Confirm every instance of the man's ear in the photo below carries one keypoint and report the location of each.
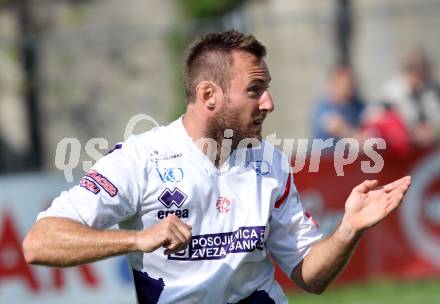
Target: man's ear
(205, 92)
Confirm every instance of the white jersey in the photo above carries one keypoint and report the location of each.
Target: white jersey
(241, 214)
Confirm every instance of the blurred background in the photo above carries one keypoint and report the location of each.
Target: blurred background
(340, 68)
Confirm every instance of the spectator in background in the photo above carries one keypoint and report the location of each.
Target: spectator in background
(415, 96)
(338, 112)
(383, 121)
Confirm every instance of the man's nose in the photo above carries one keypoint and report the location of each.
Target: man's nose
(266, 103)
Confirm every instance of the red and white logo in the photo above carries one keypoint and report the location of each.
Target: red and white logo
(420, 213)
(223, 204)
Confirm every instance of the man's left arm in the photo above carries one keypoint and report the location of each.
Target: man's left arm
(366, 206)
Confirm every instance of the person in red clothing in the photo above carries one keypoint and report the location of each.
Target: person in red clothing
(385, 122)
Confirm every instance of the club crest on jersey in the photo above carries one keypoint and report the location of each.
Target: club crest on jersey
(261, 167)
(170, 175)
(172, 197)
(223, 204)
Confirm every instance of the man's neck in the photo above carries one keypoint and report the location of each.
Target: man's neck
(196, 126)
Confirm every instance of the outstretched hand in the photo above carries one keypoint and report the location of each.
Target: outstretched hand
(368, 204)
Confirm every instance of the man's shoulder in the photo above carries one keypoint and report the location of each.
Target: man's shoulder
(272, 157)
(156, 136)
(268, 146)
(141, 146)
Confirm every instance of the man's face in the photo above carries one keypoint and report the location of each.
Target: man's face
(342, 86)
(248, 101)
(415, 79)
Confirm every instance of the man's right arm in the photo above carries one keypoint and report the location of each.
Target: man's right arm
(57, 241)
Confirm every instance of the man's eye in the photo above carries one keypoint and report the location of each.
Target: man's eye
(254, 91)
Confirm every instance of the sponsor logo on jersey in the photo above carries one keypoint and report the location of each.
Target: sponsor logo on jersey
(155, 157)
(223, 204)
(218, 245)
(173, 156)
(172, 197)
(170, 175)
(184, 213)
(261, 167)
(89, 185)
(175, 197)
(103, 182)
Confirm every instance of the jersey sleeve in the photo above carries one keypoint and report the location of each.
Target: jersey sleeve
(292, 231)
(107, 194)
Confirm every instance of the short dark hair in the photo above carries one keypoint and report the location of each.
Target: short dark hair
(210, 58)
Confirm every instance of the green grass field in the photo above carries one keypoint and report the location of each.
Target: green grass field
(376, 292)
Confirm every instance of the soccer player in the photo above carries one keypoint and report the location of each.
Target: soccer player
(199, 204)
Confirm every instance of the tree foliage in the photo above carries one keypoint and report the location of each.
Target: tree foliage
(208, 8)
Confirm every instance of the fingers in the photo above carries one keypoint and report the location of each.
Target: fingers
(178, 235)
(395, 196)
(395, 184)
(366, 186)
(171, 233)
(176, 239)
(370, 204)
